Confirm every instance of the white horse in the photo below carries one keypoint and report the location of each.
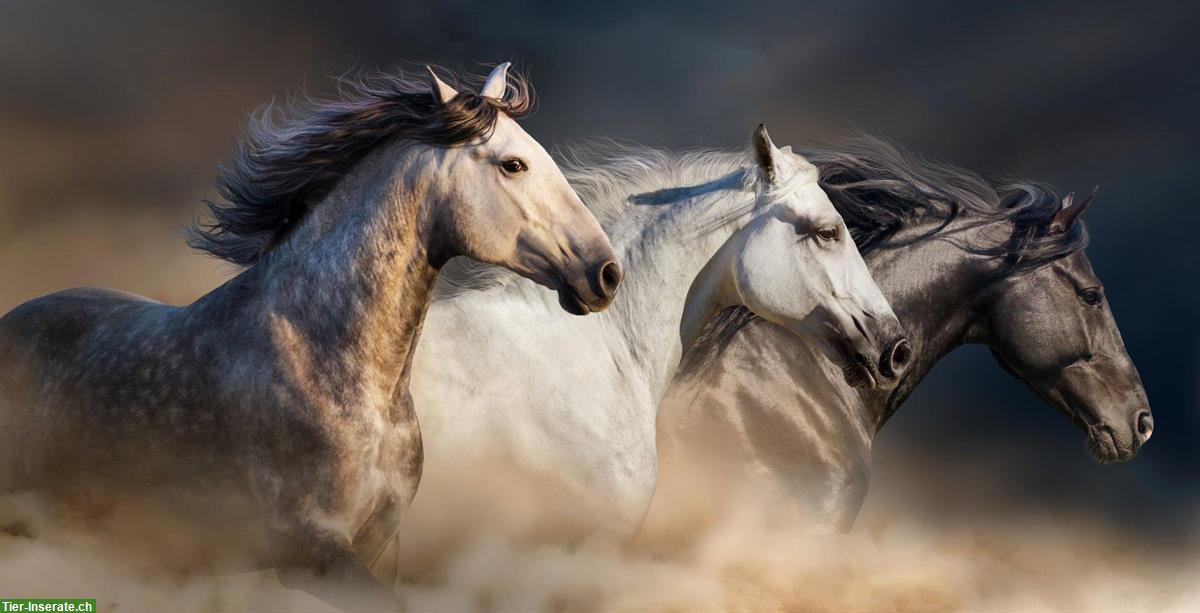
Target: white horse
(502, 381)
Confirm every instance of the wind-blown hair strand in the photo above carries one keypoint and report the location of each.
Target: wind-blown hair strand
(292, 156)
(879, 189)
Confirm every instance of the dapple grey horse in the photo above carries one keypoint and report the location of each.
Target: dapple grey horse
(282, 395)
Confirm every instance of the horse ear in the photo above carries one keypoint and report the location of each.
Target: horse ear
(766, 153)
(442, 93)
(1069, 213)
(496, 83)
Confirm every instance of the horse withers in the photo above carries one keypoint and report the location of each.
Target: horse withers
(282, 395)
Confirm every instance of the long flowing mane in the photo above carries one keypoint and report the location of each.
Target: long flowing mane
(879, 189)
(292, 156)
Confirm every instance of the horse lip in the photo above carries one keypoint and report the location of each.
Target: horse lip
(858, 375)
(570, 301)
(1101, 443)
(1104, 448)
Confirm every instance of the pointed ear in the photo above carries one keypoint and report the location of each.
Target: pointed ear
(1069, 213)
(496, 83)
(442, 93)
(766, 153)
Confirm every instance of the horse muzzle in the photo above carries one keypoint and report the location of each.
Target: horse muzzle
(1108, 445)
(593, 291)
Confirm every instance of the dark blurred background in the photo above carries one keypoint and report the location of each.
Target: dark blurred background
(113, 116)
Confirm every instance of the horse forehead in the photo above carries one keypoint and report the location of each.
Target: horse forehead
(1076, 269)
(809, 199)
(509, 135)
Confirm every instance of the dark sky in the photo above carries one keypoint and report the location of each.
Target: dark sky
(122, 109)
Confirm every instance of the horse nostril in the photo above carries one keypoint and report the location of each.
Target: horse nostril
(902, 353)
(896, 359)
(1145, 425)
(609, 278)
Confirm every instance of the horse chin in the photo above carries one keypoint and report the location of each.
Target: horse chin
(570, 301)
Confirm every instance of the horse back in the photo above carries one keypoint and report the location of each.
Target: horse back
(52, 331)
(47, 348)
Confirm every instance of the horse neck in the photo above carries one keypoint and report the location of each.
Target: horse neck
(935, 289)
(344, 296)
(662, 259)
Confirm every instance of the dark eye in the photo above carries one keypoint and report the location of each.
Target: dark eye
(829, 233)
(513, 166)
(1091, 296)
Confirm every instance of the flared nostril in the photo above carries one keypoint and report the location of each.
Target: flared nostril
(896, 359)
(1144, 422)
(609, 278)
(901, 354)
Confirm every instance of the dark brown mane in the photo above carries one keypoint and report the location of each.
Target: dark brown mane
(292, 157)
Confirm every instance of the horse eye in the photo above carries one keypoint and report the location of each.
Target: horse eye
(1091, 296)
(513, 166)
(828, 233)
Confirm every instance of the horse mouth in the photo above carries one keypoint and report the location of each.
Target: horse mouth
(1102, 444)
(570, 301)
(859, 374)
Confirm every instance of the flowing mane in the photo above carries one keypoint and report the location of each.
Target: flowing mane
(879, 189)
(292, 156)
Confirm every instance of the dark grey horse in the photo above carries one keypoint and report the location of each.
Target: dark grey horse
(961, 261)
(278, 403)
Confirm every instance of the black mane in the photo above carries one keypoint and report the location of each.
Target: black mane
(879, 189)
(292, 157)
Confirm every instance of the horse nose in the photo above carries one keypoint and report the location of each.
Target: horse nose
(894, 360)
(1143, 423)
(606, 278)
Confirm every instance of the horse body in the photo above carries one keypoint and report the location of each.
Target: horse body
(284, 392)
(495, 378)
(773, 418)
(119, 392)
(569, 438)
(1007, 271)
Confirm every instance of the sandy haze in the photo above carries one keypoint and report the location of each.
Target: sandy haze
(739, 558)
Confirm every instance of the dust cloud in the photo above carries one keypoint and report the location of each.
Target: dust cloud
(739, 557)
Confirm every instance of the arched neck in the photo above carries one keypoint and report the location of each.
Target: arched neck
(343, 298)
(664, 255)
(938, 291)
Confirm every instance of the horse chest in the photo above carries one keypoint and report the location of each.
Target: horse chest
(610, 456)
(384, 471)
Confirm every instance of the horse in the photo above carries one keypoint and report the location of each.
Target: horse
(511, 415)
(962, 260)
(284, 392)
